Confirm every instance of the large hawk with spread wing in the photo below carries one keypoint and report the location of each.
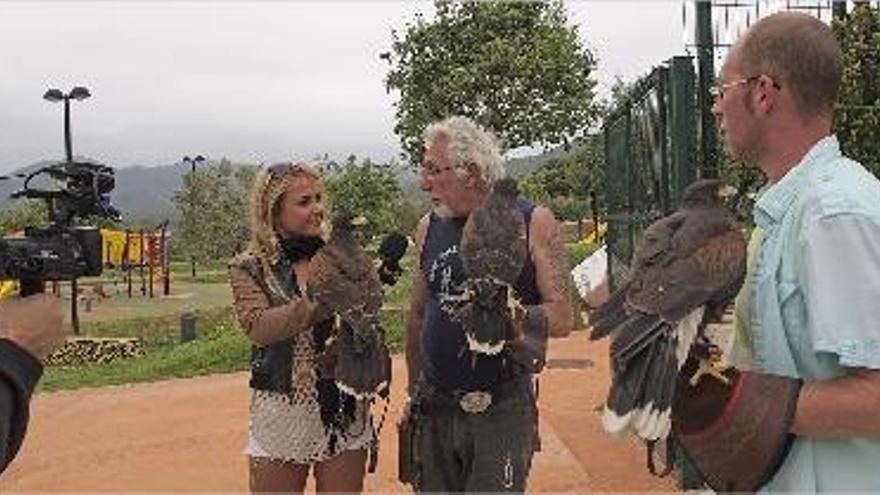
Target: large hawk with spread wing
(686, 270)
(343, 277)
(493, 251)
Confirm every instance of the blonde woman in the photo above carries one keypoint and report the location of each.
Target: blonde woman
(298, 417)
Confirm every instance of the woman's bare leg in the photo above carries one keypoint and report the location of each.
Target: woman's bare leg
(272, 476)
(343, 473)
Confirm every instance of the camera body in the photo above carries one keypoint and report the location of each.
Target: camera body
(60, 250)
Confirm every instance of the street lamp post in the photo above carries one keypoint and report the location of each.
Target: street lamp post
(192, 202)
(55, 95)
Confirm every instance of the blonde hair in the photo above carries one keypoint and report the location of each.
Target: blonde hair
(267, 190)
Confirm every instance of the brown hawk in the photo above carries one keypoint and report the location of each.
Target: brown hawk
(343, 278)
(685, 271)
(493, 251)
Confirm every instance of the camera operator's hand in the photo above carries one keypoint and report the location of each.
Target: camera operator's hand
(34, 323)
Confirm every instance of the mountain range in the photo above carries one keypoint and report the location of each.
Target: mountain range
(144, 193)
(141, 193)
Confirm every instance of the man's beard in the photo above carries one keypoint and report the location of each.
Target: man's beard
(443, 211)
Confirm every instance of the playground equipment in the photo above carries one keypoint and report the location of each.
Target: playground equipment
(141, 251)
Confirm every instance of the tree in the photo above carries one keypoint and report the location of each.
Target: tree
(23, 213)
(514, 67)
(214, 211)
(566, 185)
(372, 190)
(857, 120)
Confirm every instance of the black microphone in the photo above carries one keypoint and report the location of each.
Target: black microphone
(391, 251)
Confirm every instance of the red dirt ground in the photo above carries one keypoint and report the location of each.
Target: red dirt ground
(189, 435)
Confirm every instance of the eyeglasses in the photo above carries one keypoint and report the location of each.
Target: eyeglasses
(718, 90)
(432, 171)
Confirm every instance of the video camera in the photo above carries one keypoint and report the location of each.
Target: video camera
(60, 250)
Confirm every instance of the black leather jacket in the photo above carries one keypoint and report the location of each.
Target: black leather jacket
(271, 364)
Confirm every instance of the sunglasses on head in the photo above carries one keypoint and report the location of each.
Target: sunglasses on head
(280, 169)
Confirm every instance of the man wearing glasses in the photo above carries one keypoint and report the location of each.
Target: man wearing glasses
(809, 306)
(474, 415)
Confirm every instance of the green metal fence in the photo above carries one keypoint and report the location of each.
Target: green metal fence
(650, 149)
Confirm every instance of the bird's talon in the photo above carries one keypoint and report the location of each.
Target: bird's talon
(711, 367)
(513, 304)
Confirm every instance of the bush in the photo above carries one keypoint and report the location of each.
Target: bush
(579, 251)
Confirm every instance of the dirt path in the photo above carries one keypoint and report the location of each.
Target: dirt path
(188, 435)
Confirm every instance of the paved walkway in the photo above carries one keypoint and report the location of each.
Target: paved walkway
(188, 435)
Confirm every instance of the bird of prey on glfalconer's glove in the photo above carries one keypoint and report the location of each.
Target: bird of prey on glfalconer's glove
(686, 270)
(494, 251)
(343, 278)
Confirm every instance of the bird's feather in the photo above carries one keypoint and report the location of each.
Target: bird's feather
(493, 251)
(685, 267)
(342, 277)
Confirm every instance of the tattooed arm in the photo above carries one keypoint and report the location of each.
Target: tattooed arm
(553, 274)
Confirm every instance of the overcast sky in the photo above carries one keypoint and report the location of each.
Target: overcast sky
(253, 82)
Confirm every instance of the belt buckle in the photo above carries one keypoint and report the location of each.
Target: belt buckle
(475, 402)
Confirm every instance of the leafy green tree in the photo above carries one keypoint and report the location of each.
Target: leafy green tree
(857, 120)
(23, 213)
(565, 185)
(515, 67)
(372, 190)
(214, 211)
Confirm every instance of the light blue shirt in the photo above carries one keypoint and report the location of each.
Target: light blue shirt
(815, 305)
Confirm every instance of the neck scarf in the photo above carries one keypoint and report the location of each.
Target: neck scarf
(297, 248)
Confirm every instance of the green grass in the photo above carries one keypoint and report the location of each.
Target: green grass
(221, 347)
(204, 274)
(184, 296)
(579, 251)
(185, 267)
(395, 330)
(219, 354)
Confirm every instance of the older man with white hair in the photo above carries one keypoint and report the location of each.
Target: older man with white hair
(473, 415)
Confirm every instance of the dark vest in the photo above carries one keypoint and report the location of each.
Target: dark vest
(445, 359)
(271, 365)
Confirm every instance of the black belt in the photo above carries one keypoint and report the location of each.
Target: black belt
(435, 400)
